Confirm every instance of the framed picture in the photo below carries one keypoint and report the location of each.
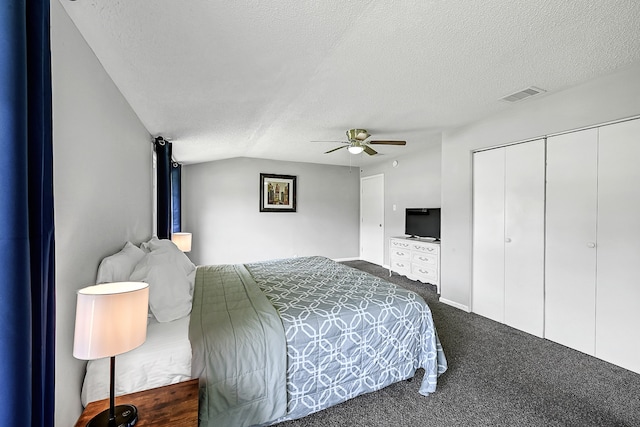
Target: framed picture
(277, 193)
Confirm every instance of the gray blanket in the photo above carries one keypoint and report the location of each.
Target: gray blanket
(239, 349)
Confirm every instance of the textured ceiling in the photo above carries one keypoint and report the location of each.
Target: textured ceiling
(263, 78)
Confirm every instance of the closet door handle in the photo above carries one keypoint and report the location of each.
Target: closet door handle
(508, 240)
(591, 245)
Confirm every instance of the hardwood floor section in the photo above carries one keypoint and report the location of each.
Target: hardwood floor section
(172, 405)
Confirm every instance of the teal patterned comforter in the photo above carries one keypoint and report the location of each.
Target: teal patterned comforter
(347, 332)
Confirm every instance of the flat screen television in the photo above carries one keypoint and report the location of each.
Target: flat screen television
(422, 222)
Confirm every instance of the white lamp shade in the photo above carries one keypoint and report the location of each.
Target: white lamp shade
(355, 149)
(182, 241)
(111, 319)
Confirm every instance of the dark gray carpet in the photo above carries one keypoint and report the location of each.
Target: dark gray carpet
(497, 376)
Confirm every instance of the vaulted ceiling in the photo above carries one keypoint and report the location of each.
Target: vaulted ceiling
(262, 79)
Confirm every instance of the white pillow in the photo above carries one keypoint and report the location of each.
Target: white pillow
(170, 286)
(154, 243)
(167, 246)
(118, 267)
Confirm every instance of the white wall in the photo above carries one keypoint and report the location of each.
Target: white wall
(608, 98)
(221, 208)
(102, 187)
(414, 183)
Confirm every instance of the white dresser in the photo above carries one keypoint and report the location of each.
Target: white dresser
(416, 259)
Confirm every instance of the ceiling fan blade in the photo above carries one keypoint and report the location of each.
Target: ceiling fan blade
(337, 148)
(388, 142)
(370, 151)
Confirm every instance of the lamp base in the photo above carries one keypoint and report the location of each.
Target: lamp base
(126, 416)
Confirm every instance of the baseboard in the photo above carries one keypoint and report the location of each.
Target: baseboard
(455, 304)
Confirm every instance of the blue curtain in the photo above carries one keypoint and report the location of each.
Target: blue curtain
(27, 295)
(176, 197)
(163, 184)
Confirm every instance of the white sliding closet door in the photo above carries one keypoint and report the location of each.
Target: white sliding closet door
(488, 234)
(570, 272)
(508, 235)
(618, 271)
(524, 237)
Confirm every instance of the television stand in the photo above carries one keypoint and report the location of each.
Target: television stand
(416, 258)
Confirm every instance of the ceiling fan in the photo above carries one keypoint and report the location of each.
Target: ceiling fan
(356, 143)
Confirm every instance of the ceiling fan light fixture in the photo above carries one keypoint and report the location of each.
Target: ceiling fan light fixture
(355, 149)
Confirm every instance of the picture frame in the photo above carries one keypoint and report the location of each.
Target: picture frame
(277, 193)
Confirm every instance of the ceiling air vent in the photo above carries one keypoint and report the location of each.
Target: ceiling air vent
(522, 94)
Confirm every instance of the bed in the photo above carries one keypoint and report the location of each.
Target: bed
(281, 339)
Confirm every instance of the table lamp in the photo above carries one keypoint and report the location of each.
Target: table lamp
(111, 319)
(182, 241)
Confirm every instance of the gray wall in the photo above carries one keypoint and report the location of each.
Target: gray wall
(414, 183)
(605, 99)
(102, 187)
(221, 208)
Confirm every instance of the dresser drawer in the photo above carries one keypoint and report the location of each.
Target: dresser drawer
(424, 259)
(425, 248)
(400, 244)
(425, 274)
(399, 254)
(401, 266)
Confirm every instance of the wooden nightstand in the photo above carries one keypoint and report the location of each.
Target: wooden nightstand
(171, 405)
